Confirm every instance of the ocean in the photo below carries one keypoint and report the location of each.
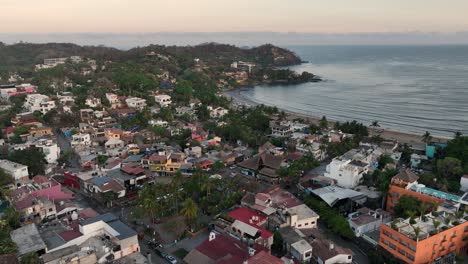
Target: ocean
(409, 89)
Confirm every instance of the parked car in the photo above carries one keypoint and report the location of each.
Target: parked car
(171, 259)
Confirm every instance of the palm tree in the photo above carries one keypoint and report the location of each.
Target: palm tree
(208, 185)
(417, 232)
(189, 210)
(426, 138)
(447, 220)
(375, 124)
(458, 134)
(30, 258)
(436, 224)
(7, 246)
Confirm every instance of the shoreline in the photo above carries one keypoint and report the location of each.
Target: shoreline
(402, 137)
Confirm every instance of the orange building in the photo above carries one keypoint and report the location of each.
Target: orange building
(402, 184)
(428, 240)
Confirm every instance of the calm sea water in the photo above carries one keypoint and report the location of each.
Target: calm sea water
(406, 88)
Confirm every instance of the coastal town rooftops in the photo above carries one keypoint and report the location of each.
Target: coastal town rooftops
(332, 194)
(302, 211)
(281, 198)
(264, 258)
(406, 176)
(325, 249)
(113, 221)
(27, 239)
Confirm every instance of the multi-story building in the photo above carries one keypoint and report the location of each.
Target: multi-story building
(278, 130)
(349, 168)
(47, 146)
(93, 102)
(365, 220)
(406, 183)
(18, 171)
(81, 139)
(432, 238)
(113, 99)
(136, 103)
(163, 100)
(39, 102)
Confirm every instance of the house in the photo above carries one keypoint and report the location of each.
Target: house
(114, 147)
(114, 133)
(18, 171)
(93, 102)
(295, 244)
(349, 168)
(113, 239)
(47, 146)
(220, 248)
(301, 217)
(163, 100)
(33, 208)
(184, 110)
(263, 166)
(39, 102)
(281, 130)
(312, 148)
(326, 252)
(217, 112)
(193, 152)
(105, 184)
(248, 226)
(28, 240)
(114, 100)
(136, 103)
(81, 139)
(365, 220)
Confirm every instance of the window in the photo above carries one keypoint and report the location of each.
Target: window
(392, 246)
(306, 224)
(299, 225)
(312, 223)
(411, 257)
(394, 237)
(395, 194)
(403, 243)
(401, 251)
(50, 209)
(385, 242)
(413, 248)
(386, 233)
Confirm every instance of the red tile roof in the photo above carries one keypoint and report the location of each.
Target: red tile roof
(39, 179)
(282, 198)
(264, 257)
(245, 215)
(132, 170)
(87, 213)
(69, 235)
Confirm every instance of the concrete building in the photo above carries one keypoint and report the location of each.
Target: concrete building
(464, 183)
(295, 244)
(28, 240)
(281, 130)
(93, 102)
(349, 168)
(81, 139)
(429, 239)
(301, 217)
(39, 102)
(365, 220)
(163, 100)
(326, 252)
(47, 146)
(217, 112)
(18, 171)
(136, 103)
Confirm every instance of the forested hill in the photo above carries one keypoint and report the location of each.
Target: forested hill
(23, 56)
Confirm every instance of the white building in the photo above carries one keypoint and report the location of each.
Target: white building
(217, 112)
(39, 102)
(136, 103)
(113, 100)
(81, 139)
(312, 148)
(163, 99)
(50, 149)
(158, 122)
(349, 168)
(16, 170)
(93, 102)
(114, 237)
(114, 147)
(281, 131)
(365, 220)
(464, 183)
(301, 217)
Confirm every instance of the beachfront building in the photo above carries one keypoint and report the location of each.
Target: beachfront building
(278, 130)
(406, 183)
(433, 238)
(163, 100)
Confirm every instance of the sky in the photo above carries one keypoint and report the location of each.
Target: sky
(302, 16)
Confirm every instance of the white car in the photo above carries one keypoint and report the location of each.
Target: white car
(170, 259)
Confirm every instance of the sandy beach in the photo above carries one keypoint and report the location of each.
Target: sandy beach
(239, 98)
